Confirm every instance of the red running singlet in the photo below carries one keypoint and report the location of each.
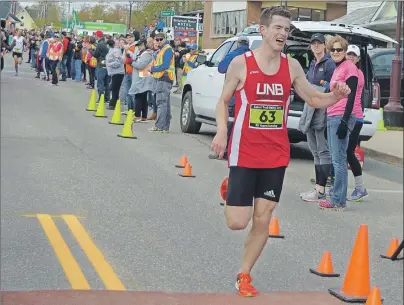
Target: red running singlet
(259, 138)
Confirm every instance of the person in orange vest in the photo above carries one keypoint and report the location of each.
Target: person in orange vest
(189, 61)
(55, 55)
(163, 71)
(91, 62)
(129, 55)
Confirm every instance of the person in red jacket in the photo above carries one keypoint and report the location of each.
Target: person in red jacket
(63, 62)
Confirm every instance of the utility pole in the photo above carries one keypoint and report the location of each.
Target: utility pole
(393, 111)
(130, 13)
(67, 15)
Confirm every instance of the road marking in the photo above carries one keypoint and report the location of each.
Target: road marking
(69, 264)
(104, 270)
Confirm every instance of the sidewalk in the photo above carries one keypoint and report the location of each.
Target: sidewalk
(385, 146)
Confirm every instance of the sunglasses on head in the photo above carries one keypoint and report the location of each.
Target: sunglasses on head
(338, 50)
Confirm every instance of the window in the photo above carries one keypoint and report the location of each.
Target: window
(383, 63)
(306, 14)
(228, 23)
(220, 53)
(233, 47)
(317, 15)
(256, 44)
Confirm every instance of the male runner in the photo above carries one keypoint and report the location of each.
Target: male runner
(18, 46)
(259, 148)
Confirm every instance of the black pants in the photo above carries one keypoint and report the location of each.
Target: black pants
(91, 74)
(53, 64)
(2, 63)
(83, 70)
(141, 105)
(116, 82)
(69, 66)
(353, 142)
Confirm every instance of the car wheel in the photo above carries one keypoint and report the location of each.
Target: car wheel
(187, 118)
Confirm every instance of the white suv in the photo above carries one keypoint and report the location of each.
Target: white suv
(203, 85)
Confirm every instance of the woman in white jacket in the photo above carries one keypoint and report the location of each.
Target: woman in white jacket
(142, 80)
(116, 70)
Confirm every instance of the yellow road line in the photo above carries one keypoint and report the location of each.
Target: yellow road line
(104, 270)
(69, 264)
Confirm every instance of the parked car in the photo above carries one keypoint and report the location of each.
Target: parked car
(203, 85)
(382, 63)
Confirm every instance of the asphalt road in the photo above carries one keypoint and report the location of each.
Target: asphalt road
(84, 209)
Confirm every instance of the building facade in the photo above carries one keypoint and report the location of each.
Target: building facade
(225, 19)
(380, 16)
(27, 22)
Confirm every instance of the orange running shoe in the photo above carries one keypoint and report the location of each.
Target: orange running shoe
(244, 287)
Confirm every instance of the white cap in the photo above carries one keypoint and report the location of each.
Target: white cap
(354, 49)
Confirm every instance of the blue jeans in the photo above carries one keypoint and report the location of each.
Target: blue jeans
(338, 150)
(125, 97)
(77, 65)
(63, 67)
(33, 58)
(151, 100)
(103, 80)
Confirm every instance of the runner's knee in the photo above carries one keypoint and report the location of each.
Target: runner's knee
(237, 218)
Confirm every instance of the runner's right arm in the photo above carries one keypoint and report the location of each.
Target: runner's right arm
(234, 77)
(231, 83)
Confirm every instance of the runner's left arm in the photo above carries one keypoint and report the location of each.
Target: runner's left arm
(311, 96)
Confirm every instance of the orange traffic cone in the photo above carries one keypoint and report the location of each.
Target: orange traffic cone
(187, 172)
(182, 162)
(223, 189)
(274, 231)
(356, 287)
(325, 269)
(374, 297)
(392, 249)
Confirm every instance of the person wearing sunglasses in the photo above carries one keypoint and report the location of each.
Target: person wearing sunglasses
(360, 192)
(340, 122)
(163, 71)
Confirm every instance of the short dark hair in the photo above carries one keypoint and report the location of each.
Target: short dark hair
(268, 13)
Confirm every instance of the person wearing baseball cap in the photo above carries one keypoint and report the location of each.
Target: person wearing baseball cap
(100, 54)
(317, 37)
(355, 51)
(163, 71)
(353, 54)
(312, 122)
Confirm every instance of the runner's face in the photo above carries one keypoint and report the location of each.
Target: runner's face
(276, 34)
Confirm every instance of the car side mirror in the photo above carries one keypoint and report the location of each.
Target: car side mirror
(201, 59)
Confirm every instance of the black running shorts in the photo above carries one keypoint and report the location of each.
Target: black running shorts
(17, 54)
(245, 184)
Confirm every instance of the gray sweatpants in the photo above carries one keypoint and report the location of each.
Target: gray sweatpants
(318, 146)
(163, 91)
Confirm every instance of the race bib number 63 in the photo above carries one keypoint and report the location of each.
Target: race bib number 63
(266, 116)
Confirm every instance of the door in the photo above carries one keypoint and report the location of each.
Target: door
(212, 81)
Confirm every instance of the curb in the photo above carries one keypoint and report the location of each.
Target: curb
(383, 157)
